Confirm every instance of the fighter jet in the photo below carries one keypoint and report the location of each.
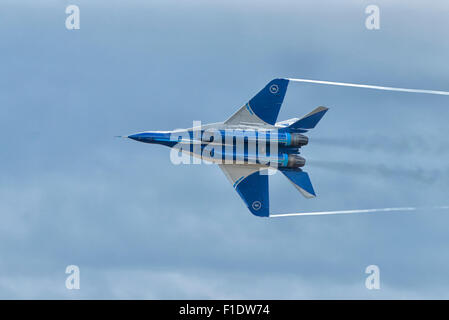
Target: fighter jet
(248, 146)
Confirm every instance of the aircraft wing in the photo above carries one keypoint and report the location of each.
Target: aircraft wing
(264, 107)
(251, 185)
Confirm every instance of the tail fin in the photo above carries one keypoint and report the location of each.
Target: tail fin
(310, 120)
(300, 180)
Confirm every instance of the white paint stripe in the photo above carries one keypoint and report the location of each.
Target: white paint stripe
(403, 209)
(345, 84)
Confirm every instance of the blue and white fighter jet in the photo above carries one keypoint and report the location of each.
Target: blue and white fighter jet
(247, 144)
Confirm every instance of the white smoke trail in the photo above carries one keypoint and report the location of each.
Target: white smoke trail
(403, 209)
(345, 84)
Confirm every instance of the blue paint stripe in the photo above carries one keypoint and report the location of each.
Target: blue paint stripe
(288, 138)
(249, 109)
(285, 162)
(238, 180)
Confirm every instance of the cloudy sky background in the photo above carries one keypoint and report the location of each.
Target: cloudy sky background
(140, 227)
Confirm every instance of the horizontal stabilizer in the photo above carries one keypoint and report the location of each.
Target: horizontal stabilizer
(310, 120)
(300, 180)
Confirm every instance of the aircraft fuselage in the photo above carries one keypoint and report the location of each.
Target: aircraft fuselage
(220, 144)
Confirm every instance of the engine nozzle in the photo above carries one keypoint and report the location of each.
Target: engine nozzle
(295, 161)
(299, 140)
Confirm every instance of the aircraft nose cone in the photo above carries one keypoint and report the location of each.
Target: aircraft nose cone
(148, 137)
(151, 137)
(136, 136)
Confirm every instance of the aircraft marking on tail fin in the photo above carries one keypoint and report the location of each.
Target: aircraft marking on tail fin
(264, 107)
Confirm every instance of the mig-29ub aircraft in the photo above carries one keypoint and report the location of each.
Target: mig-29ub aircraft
(247, 144)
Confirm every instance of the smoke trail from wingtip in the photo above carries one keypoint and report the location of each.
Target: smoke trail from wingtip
(345, 84)
(316, 213)
(366, 86)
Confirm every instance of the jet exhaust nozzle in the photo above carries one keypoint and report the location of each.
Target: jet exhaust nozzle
(299, 140)
(295, 161)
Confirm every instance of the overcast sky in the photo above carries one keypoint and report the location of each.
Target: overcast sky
(140, 227)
